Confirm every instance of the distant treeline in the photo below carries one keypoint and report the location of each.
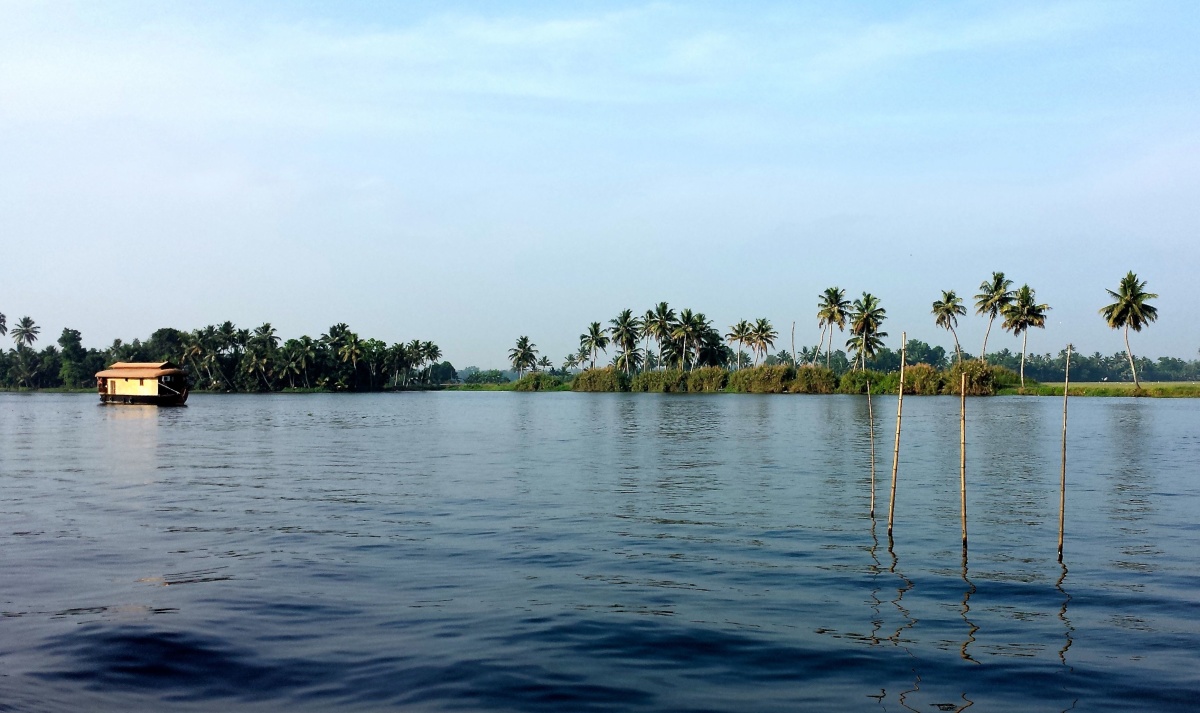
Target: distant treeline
(225, 358)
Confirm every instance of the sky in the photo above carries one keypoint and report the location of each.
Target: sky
(468, 173)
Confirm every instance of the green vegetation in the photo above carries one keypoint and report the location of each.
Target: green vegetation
(541, 381)
(813, 380)
(606, 379)
(225, 358)
(506, 386)
(665, 381)
(762, 379)
(1160, 389)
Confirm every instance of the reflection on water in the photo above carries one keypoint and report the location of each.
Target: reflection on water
(592, 552)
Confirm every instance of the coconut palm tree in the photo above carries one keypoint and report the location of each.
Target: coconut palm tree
(687, 330)
(626, 330)
(1020, 315)
(866, 317)
(523, 355)
(306, 354)
(946, 312)
(994, 297)
(762, 337)
(570, 363)
(265, 335)
(832, 310)
(26, 332)
(1130, 310)
(351, 349)
(739, 333)
(595, 340)
(660, 325)
(3, 324)
(430, 353)
(629, 360)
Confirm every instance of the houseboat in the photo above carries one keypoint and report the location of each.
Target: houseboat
(159, 383)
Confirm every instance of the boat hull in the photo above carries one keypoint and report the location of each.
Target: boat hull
(146, 400)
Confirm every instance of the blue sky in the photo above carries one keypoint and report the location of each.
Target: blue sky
(468, 173)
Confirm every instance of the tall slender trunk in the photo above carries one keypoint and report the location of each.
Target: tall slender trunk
(1024, 341)
(983, 354)
(957, 349)
(793, 344)
(1129, 354)
(817, 355)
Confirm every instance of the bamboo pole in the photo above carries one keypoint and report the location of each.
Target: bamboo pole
(871, 425)
(962, 460)
(896, 451)
(1062, 483)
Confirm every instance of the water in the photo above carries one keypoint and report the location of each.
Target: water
(553, 552)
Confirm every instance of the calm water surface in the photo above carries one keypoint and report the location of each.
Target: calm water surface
(547, 552)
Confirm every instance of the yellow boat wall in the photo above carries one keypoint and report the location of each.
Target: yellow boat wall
(133, 387)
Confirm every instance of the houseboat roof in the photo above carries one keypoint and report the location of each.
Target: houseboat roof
(139, 370)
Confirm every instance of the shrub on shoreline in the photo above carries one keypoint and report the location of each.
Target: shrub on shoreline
(662, 382)
(606, 379)
(538, 381)
(761, 379)
(813, 380)
(707, 379)
(922, 380)
(855, 382)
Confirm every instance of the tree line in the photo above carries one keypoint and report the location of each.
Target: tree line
(226, 358)
(687, 340)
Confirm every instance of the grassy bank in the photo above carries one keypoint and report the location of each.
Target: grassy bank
(1153, 389)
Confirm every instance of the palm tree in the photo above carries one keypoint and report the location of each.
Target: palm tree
(430, 354)
(647, 318)
(523, 355)
(946, 312)
(625, 334)
(1020, 315)
(832, 307)
(3, 324)
(265, 335)
(660, 325)
(594, 340)
(629, 360)
(546, 364)
(26, 332)
(687, 329)
(1130, 310)
(866, 317)
(351, 349)
(570, 363)
(739, 333)
(306, 354)
(762, 337)
(994, 297)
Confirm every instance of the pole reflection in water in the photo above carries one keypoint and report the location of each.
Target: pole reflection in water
(876, 568)
(966, 609)
(897, 638)
(1068, 628)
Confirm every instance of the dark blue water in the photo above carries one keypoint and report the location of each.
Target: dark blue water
(569, 552)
